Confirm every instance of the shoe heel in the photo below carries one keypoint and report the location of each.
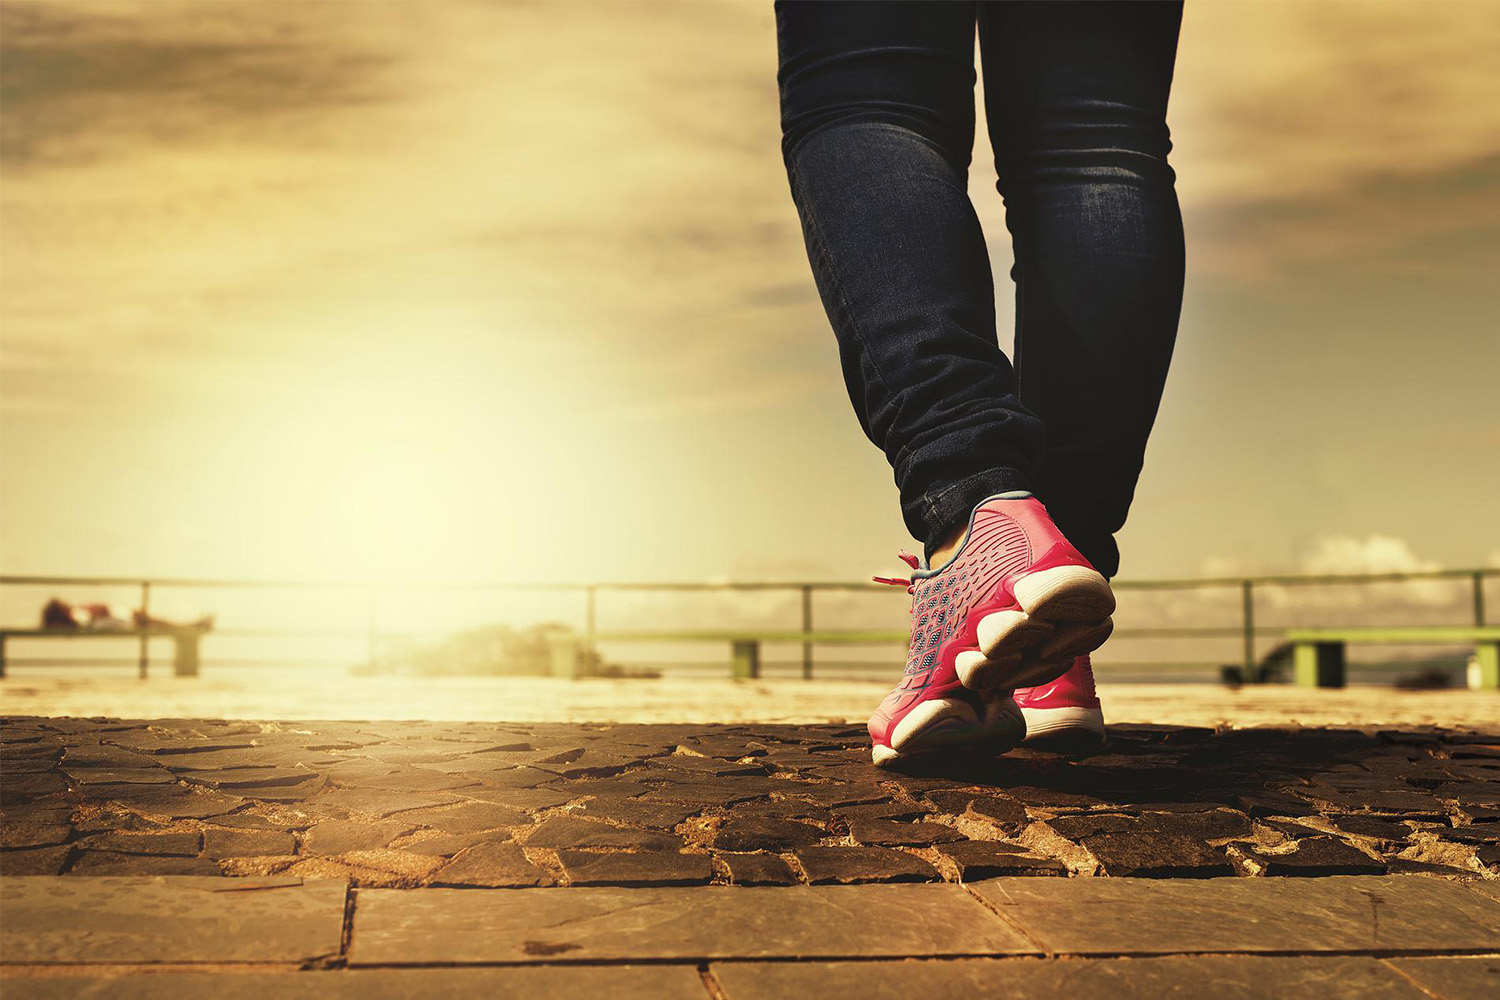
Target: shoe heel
(1065, 594)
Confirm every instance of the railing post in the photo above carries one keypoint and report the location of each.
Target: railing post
(590, 624)
(1247, 598)
(1478, 598)
(371, 635)
(807, 650)
(144, 656)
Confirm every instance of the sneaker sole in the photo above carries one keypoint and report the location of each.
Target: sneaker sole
(952, 723)
(1064, 730)
(1065, 613)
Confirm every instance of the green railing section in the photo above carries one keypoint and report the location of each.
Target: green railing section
(1246, 630)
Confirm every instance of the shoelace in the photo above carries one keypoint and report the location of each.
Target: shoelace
(896, 581)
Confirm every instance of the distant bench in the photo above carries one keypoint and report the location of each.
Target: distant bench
(1318, 653)
(184, 664)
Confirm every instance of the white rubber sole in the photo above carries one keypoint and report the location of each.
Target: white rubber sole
(1064, 728)
(953, 723)
(1065, 613)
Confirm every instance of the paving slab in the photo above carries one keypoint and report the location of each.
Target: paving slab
(1454, 978)
(1349, 913)
(455, 926)
(1231, 977)
(93, 920)
(617, 982)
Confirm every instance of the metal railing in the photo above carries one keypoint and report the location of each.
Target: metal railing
(1246, 630)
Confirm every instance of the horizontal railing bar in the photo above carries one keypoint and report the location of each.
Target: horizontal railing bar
(1290, 579)
(719, 635)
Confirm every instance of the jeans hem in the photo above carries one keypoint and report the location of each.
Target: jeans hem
(941, 509)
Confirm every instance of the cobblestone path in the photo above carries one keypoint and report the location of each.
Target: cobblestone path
(408, 804)
(740, 862)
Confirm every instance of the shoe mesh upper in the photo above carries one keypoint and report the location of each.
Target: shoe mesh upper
(996, 547)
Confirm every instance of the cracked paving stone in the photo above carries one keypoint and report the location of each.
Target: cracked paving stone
(448, 844)
(1054, 798)
(182, 844)
(706, 793)
(847, 865)
(590, 764)
(757, 833)
(1474, 833)
(565, 831)
(652, 868)
(899, 811)
(1156, 855)
(415, 779)
(1478, 793)
(379, 802)
(758, 869)
(610, 787)
(241, 779)
(1272, 804)
(34, 861)
(255, 821)
(493, 866)
(726, 747)
(471, 817)
(1006, 816)
(888, 833)
(954, 800)
(707, 767)
(525, 799)
(658, 815)
(793, 809)
(25, 787)
(516, 777)
(835, 794)
(172, 801)
(1314, 856)
(213, 760)
(976, 859)
(32, 833)
(111, 863)
(340, 836)
(1077, 827)
(1412, 804)
(247, 843)
(91, 776)
(1386, 830)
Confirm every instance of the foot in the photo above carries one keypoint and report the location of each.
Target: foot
(1013, 607)
(1064, 715)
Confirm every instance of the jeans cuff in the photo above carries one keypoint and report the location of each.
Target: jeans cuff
(937, 512)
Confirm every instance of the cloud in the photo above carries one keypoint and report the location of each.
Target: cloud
(1315, 131)
(1372, 554)
(85, 82)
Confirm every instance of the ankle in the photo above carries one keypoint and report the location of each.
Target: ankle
(948, 547)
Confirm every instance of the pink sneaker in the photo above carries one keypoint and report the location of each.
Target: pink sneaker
(1065, 714)
(1013, 607)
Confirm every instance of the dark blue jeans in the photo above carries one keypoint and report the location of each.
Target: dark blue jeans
(877, 112)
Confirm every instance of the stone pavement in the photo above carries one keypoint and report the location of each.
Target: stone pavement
(670, 860)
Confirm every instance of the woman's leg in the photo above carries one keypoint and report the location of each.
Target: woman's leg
(1076, 100)
(877, 110)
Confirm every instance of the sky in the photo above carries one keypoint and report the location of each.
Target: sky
(491, 291)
